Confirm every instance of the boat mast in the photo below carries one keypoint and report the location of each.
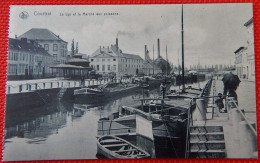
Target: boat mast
(167, 61)
(178, 63)
(182, 38)
(153, 59)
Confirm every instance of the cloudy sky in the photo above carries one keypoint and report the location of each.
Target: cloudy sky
(212, 32)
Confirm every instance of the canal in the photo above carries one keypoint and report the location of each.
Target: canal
(64, 130)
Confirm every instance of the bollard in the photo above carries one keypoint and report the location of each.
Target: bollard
(9, 89)
(248, 141)
(89, 83)
(58, 84)
(199, 114)
(35, 86)
(51, 84)
(43, 85)
(30, 87)
(61, 84)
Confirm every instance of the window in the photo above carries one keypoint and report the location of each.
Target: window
(114, 67)
(97, 67)
(97, 59)
(108, 67)
(103, 60)
(55, 57)
(55, 47)
(114, 59)
(103, 67)
(46, 47)
(91, 60)
(12, 68)
(16, 56)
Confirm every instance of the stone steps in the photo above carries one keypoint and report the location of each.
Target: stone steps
(206, 145)
(207, 154)
(207, 136)
(207, 142)
(205, 129)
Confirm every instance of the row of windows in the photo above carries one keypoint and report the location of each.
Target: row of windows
(17, 68)
(132, 60)
(54, 47)
(14, 56)
(103, 67)
(103, 59)
(114, 59)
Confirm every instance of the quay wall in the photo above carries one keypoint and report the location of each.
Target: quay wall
(36, 98)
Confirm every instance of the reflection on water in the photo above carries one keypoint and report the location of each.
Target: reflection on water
(60, 131)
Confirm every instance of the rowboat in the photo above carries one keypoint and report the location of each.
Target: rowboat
(115, 147)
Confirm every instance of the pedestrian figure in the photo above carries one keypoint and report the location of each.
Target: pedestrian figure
(82, 81)
(232, 93)
(231, 82)
(163, 89)
(220, 104)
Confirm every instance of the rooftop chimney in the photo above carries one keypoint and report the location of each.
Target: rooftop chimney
(158, 40)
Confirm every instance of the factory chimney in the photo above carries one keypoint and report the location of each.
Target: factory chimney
(158, 40)
(145, 52)
(117, 44)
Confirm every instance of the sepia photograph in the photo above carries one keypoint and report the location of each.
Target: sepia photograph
(130, 82)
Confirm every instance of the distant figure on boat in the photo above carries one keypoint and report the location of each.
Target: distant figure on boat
(231, 82)
(220, 104)
(163, 89)
(82, 81)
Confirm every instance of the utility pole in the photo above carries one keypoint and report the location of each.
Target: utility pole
(153, 59)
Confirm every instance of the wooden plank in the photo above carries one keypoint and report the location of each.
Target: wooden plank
(129, 150)
(115, 145)
(111, 141)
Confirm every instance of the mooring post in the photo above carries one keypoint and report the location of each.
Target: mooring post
(248, 142)
(199, 113)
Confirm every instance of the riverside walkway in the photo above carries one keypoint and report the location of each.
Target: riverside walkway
(226, 135)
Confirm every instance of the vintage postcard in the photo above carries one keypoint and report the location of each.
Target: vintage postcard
(130, 81)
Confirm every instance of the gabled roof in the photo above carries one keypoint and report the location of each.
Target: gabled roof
(250, 21)
(107, 51)
(131, 56)
(15, 44)
(40, 34)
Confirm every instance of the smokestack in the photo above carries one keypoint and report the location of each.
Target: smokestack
(158, 40)
(117, 43)
(145, 52)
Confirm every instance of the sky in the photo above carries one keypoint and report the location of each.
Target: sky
(212, 32)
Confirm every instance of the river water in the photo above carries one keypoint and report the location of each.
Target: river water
(63, 130)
